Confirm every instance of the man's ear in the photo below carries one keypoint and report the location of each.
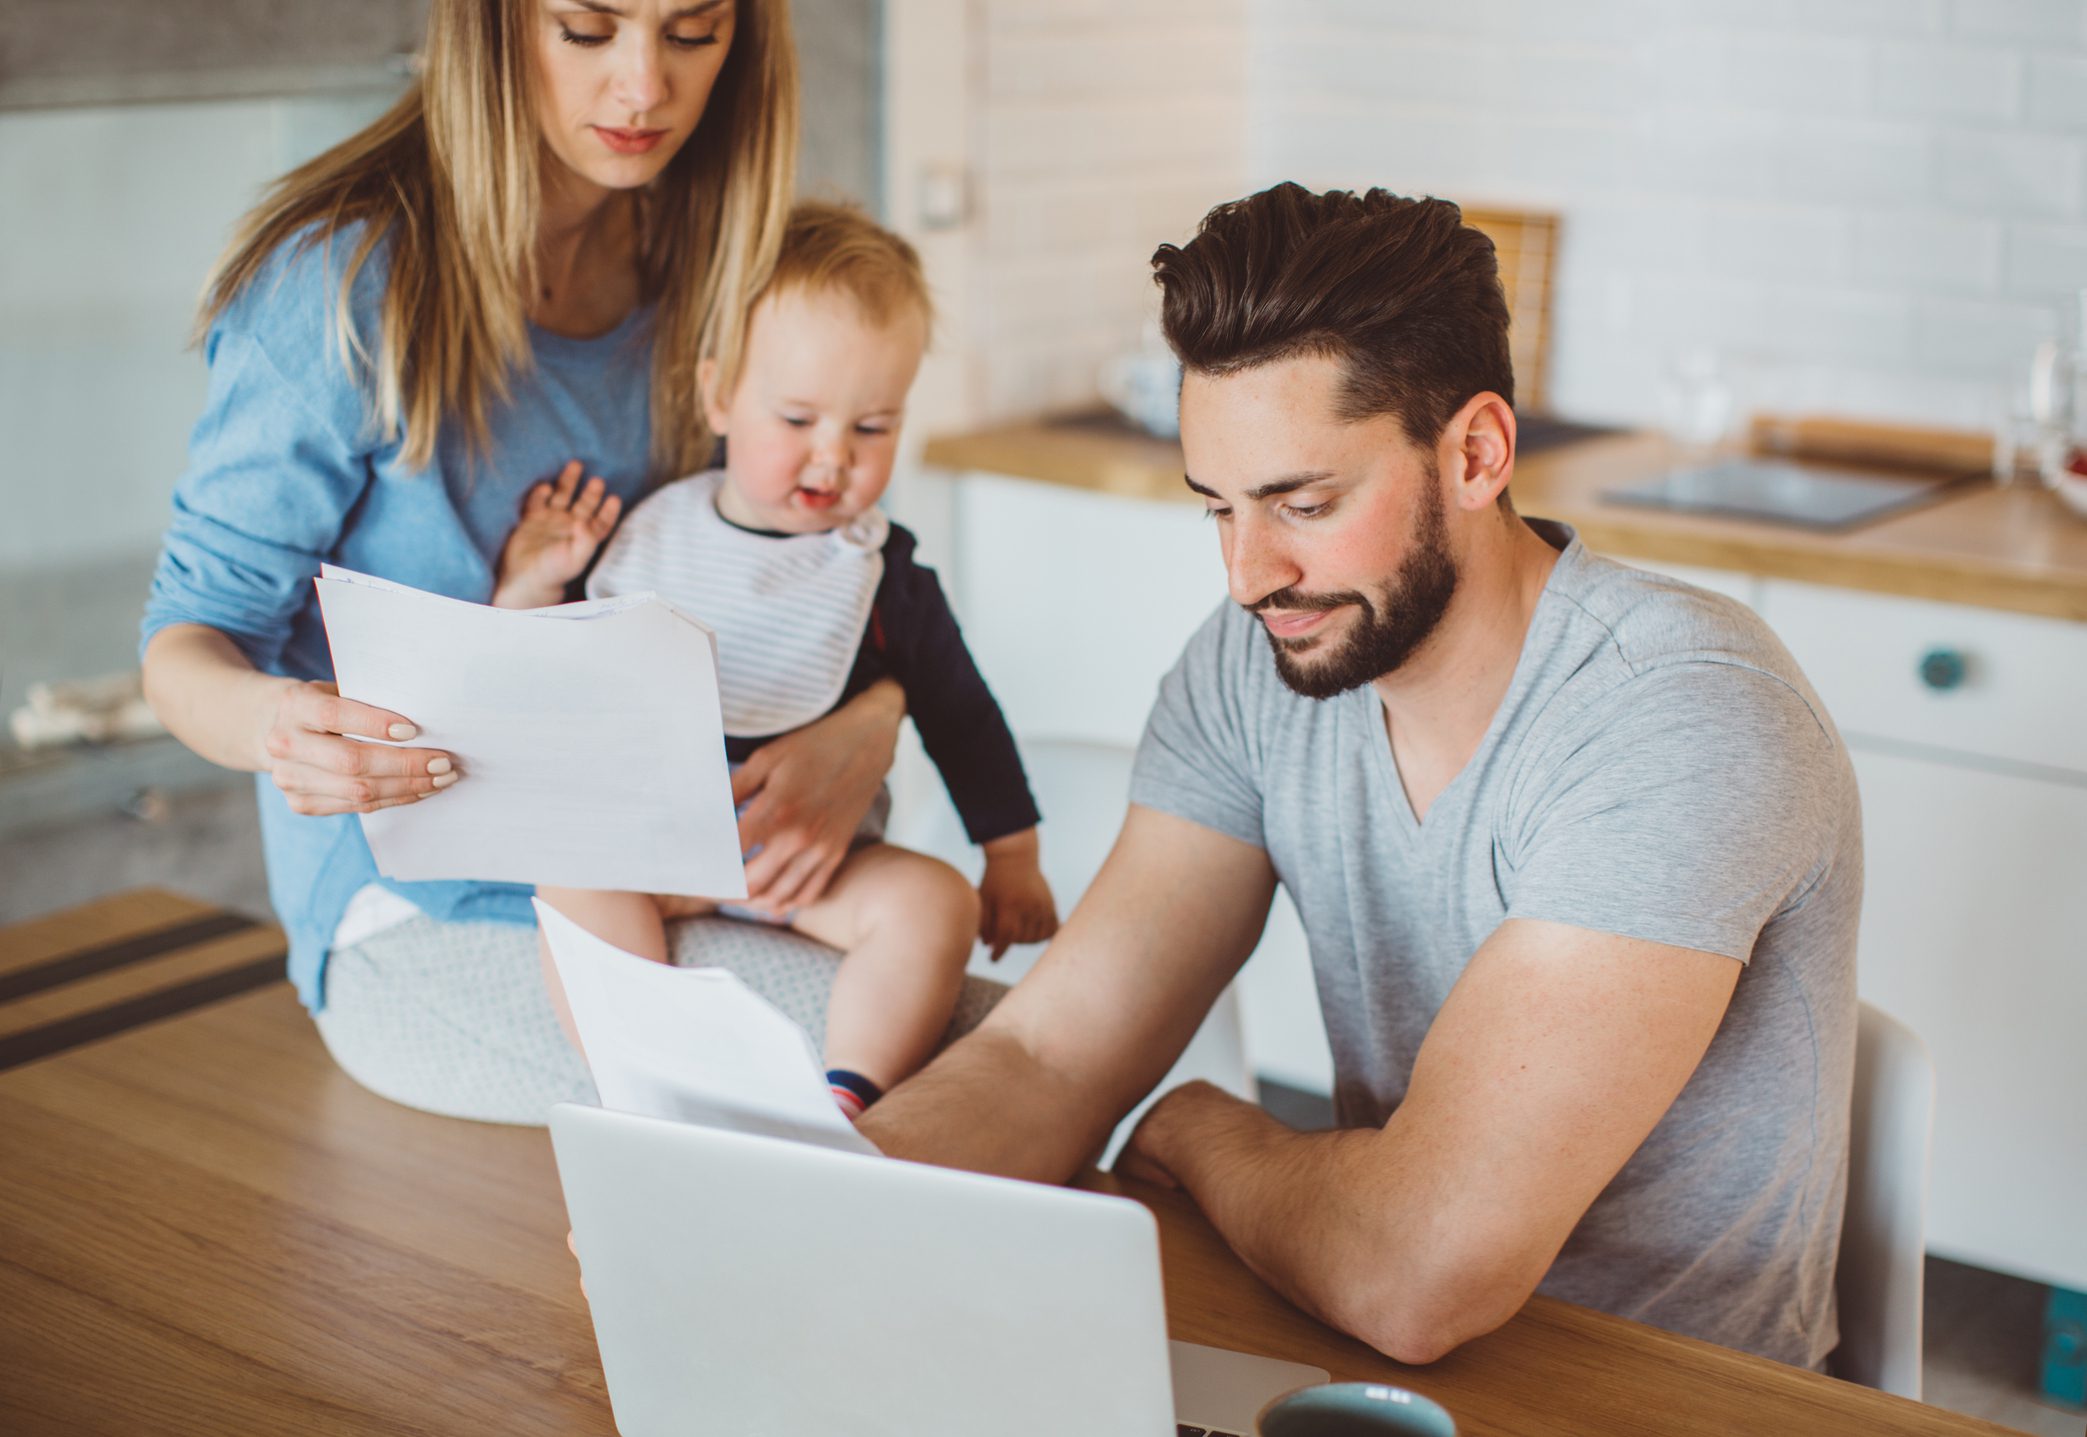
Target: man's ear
(1479, 445)
(714, 411)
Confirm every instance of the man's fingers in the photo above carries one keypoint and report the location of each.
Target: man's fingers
(1132, 1164)
(536, 499)
(568, 480)
(604, 521)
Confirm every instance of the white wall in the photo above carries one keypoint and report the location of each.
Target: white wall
(1083, 134)
(111, 217)
(1866, 206)
(1103, 128)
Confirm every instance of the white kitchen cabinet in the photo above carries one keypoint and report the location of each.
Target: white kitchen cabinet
(1972, 934)
(1974, 922)
(1959, 682)
(1077, 604)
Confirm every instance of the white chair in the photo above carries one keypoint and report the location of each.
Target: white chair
(1883, 1246)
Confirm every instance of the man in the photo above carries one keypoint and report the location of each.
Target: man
(1576, 848)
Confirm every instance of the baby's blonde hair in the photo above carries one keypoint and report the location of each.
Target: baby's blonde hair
(830, 248)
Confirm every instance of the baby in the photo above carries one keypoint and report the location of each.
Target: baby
(814, 595)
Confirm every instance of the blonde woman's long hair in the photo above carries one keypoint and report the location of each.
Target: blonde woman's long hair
(450, 179)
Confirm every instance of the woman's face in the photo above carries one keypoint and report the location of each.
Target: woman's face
(622, 83)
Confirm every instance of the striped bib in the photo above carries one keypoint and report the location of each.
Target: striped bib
(788, 610)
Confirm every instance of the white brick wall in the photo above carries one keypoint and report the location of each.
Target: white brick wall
(1867, 206)
(1103, 128)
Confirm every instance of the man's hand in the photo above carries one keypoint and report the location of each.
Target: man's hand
(1556, 1053)
(1143, 1158)
(1034, 1092)
(563, 522)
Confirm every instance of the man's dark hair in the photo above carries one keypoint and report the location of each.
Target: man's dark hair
(1401, 291)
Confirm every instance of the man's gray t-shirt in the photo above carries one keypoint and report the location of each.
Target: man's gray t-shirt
(1658, 769)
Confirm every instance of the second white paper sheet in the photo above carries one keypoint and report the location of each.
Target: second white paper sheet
(589, 738)
(693, 1045)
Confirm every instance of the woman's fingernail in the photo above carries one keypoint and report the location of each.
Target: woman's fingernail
(402, 730)
(444, 780)
(438, 765)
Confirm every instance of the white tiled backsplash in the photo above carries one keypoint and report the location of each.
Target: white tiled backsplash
(1103, 129)
(1866, 206)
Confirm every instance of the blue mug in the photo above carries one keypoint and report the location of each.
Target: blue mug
(1354, 1409)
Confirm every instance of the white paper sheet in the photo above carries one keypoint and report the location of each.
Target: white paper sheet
(588, 736)
(694, 1045)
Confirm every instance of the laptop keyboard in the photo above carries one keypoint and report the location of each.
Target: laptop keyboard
(1182, 1429)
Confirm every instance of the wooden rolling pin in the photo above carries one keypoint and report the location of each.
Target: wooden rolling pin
(1857, 441)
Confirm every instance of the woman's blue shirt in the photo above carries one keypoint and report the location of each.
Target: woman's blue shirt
(286, 472)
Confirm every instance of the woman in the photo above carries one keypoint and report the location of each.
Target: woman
(512, 273)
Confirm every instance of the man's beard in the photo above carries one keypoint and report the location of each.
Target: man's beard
(1387, 629)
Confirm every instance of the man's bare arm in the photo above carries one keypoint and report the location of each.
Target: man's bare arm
(1555, 1055)
(1112, 1003)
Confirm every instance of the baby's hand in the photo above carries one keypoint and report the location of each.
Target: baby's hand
(1015, 904)
(563, 523)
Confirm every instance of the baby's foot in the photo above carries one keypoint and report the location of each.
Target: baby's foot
(852, 1092)
(562, 524)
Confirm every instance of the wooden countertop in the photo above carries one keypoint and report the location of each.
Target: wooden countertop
(2015, 548)
(211, 1229)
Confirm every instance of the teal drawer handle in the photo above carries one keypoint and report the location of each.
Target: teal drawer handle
(1942, 669)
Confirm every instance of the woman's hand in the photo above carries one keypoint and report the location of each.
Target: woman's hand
(309, 749)
(802, 796)
(1015, 904)
(562, 524)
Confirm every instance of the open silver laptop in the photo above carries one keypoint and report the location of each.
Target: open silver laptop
(763, 1288)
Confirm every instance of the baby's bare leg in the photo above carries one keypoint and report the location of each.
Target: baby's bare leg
(905, 923)
(631, 921)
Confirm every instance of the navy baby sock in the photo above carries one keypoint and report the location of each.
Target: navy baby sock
(852, 1091)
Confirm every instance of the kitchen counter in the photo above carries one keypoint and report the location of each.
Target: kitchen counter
(2014, 549)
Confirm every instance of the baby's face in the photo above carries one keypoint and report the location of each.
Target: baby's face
(812, 428)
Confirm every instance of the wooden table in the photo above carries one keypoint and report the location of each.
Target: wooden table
(206, 1227)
